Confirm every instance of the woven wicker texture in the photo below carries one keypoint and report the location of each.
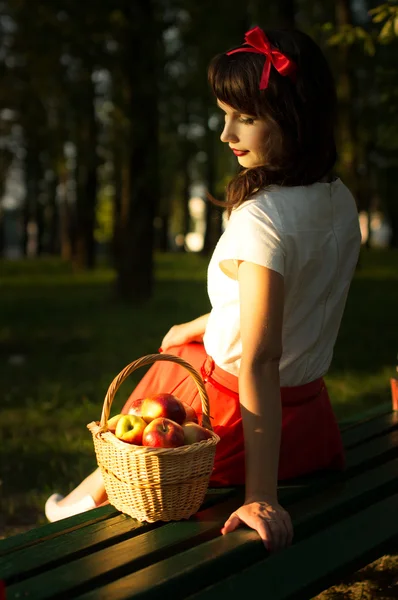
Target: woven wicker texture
(154, 484)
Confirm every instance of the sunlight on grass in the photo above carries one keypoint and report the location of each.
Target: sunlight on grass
(354, 393)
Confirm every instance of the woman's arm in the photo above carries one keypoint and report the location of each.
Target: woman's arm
(261, 315)
(192, 331)
(261, 293)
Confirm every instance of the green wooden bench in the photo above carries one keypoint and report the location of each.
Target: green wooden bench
(342, 522)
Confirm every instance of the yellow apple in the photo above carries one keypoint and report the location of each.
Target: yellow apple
(130, 429)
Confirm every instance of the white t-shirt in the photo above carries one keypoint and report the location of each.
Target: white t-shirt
(311, 236)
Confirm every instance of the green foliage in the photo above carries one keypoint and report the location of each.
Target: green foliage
(389, 14)
(349, 35)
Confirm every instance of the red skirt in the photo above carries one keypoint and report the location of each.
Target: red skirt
(310, 438)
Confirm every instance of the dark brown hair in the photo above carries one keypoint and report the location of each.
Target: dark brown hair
(300, 149)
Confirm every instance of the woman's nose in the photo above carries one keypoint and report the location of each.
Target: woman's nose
(228, 134)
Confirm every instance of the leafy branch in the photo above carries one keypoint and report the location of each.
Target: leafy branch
(347, 35)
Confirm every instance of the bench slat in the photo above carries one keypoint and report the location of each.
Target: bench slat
(358, 459)
(157, 545)
(102, 545)
(284, 573)
(289, 575)
(78, 542)
(81, 540)
(51, 530)
(352, 436)
(137, 552)
(360, 432)
(373, 451)
(57, 550)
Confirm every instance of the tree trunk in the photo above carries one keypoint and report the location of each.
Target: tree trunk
(347, 129)
(6, 158)
(2, 233)
(186, 187)
(65, 214)
(53, 243)
(388, 192)
(86, 182)
(31, 209)
(117, 201)
(163, 233)
(213, 212)
(138, 64)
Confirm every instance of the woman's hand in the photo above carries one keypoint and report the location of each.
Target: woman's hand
(269, 519)
(184, 333)
(178, 335)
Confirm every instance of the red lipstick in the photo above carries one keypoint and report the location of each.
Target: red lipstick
(239, 152)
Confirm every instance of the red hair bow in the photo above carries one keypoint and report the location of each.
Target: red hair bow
(259, 44)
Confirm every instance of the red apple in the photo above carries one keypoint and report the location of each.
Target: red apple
(163, 433)
(190, 413)
(136, 407)
(194, 433)
(130, 429)
(163, 405)
(113, 422)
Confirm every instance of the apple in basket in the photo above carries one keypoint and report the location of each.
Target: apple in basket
(130, 429)
(136, 407)
(163, 433)
(163, 405)
(194, 433)
(113, 422)
(190, 413)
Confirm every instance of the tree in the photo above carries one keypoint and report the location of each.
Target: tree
(373, 107)
(138, 75)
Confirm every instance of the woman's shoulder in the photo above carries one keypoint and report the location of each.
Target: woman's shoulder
(282, 204)
(257, 212)
(271, 198)
(263, 200)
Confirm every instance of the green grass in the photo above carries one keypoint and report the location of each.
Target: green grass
(74, 339)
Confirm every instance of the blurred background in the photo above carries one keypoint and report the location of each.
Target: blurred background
(109, 143)
(109, 135)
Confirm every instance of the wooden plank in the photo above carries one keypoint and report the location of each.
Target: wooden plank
(358, 459)
(354, 435)
(77, 542)
(312, 565)
(137, 552)
(209, 564)
(27, 561)
(361, 432)
(343, 498)
(152, 550)
(373, 451)
(51, 530)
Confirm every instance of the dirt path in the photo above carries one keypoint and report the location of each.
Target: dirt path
(377, 581)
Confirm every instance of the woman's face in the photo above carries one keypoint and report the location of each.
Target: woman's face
(245, 135)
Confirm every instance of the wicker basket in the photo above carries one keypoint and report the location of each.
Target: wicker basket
(154, 484)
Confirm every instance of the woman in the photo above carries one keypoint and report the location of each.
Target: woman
(277, 281)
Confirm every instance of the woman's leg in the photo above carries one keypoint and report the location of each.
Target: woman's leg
(89, 494)
(93, 486)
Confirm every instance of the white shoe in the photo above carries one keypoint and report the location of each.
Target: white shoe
(54, 512)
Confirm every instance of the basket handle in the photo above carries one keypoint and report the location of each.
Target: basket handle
(148, 360)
